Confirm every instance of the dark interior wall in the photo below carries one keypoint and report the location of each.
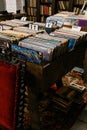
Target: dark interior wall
(2, 5)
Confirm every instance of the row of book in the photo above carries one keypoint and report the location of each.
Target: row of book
(32, 18)
(43, 19)
(46, 1)
(63, 5)
(32, 3)
(76, 10)
(32, 11)
(79, 2)
(45, 10)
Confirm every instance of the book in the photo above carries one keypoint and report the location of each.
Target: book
(75, 74)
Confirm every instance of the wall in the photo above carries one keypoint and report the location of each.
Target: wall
(2, 5)
(20, 4)
(11, 5)
(14, 5)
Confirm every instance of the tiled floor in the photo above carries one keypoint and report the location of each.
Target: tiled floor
(81, 122)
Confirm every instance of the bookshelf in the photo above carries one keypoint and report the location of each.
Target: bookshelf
(77, 5)
(39, 10)
(64, 5)
(47, 8)
(32, 9)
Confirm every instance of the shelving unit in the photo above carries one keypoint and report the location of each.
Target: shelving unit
(64, 5)
(47, 8)
(39, 10)
(32, 9)
(77, 5)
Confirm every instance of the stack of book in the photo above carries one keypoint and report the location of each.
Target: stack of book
(63, 98)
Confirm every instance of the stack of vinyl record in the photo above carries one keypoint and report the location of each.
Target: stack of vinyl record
(8, 37)
(32, 28)
(15, 22)
(41, 48)
(41, 26)
(26, 54)
(5, 42)
(65, 18)
(27, 30)
(12, 90)
(74, 37)
(21, 22)
(68, 19)
(14, 33)
(61, 47)
(5, 27)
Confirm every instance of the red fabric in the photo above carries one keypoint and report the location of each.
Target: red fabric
(8, 94)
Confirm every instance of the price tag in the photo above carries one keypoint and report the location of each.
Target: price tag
(35, 27)
(30, 26)
(76, 28)
(23, 18)
(49, 25)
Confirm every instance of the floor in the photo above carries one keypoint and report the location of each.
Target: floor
(81, 122)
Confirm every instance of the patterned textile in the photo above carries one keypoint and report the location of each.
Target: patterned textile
(12, 86)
